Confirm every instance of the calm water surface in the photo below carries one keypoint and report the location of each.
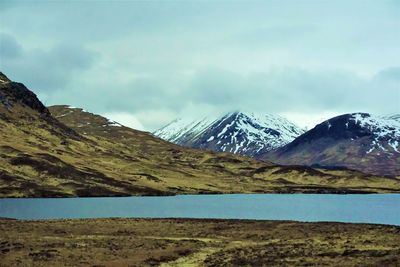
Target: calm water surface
(377, 208)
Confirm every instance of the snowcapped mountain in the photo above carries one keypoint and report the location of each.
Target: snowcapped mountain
(358, 141)
(236, 132)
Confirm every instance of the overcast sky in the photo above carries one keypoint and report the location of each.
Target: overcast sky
(146, 63)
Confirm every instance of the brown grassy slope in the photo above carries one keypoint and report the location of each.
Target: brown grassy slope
(41, 157)
(189, 242)
(251, 175)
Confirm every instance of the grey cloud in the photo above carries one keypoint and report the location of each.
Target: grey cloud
(214, 86)
(294, 89)
(9, 47)
(103, 20)
(102, 93)
(141, 94)
(65, 56)
(45, 69)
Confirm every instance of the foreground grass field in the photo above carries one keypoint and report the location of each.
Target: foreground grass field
(190, 242)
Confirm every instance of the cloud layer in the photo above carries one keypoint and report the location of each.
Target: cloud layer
(149, 62)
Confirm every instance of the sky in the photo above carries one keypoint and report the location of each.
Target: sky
(145, 63)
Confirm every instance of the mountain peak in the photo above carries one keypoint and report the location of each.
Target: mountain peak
(353, 126)
(238, 132)
(360, 141)
(4, 78)
(13, 93)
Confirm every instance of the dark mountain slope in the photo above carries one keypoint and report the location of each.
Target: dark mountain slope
(357, 141)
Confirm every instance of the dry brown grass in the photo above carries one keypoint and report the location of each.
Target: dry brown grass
(189, 242)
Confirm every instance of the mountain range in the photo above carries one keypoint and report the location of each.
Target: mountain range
(62, 151)
(358, 141)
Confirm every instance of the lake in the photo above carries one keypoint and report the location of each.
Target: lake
(374, 208)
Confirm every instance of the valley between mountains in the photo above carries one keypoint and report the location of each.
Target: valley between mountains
(61, 151)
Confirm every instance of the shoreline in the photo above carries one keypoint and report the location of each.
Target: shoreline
(234, 220)
(332, 192)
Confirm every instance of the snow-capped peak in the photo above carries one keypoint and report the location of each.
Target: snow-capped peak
(237, 132)
(383, 132)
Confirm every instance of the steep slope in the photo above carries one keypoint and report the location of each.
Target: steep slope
(18, 105)
(358, 141)
(241, 133)
(87, 155)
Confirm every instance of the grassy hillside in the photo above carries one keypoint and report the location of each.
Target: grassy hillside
(69, 152)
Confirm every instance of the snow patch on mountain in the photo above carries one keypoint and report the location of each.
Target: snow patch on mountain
(385, 129)
(113, 123)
